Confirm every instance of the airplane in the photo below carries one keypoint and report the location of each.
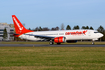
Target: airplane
(60, 36)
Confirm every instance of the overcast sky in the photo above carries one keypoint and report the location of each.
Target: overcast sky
(52, 13)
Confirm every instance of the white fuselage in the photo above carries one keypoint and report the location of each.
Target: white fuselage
(68, 34)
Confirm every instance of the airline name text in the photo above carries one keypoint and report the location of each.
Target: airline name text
(20, 28)
(76, 33)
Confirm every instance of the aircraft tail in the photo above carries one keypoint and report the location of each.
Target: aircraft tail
(19, 28)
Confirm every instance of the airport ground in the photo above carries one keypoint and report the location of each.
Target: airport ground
(52, 58)
(77, 43)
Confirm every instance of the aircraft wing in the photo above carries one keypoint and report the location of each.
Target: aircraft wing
(41, 36)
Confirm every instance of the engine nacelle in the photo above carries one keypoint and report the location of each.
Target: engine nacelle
(59, 39)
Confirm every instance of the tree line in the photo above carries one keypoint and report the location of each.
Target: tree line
(77, 27)
(61, 28)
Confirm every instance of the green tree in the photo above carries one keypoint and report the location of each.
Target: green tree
(91, 28)
(40, 29)
(83, 27)
(29, 29)
(76, 27)
(5, 35)
(62, 26)
(101, 30)
(57, 28)
(86, 27)
(68, 27)
(36, 29)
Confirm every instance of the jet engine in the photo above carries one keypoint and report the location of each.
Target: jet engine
(60, 39)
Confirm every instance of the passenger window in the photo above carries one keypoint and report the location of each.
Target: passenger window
(96, 32)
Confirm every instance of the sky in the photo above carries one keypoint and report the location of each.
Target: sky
(52, 13)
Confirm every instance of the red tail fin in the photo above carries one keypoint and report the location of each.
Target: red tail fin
(19, 28)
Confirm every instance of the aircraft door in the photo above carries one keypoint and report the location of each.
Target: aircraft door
(89, 33)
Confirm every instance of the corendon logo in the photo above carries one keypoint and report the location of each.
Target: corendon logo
(76, 33)
(20, 28)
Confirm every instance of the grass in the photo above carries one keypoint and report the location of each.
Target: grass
(24, 42)
(52, 58)
(27, 42)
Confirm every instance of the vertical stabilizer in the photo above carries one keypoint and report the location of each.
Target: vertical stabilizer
(19, 28)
